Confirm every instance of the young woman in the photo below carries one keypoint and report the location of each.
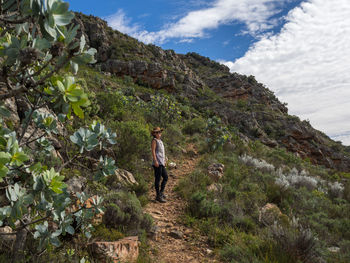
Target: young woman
(158, 155)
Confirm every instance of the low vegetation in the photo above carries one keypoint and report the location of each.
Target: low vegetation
(102, 122)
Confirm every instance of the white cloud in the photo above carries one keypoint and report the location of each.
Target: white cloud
(308, 65)
(120, 22)
(254, 14)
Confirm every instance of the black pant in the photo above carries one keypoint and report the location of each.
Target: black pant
(158, 173)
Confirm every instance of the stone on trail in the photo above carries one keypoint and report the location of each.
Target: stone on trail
(172, 165)
(176, 234)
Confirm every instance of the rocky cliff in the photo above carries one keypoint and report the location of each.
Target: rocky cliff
(239, 100)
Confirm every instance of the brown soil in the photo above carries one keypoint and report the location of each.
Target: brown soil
(165, 248)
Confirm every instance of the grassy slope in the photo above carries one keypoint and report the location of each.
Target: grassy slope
(230, 219)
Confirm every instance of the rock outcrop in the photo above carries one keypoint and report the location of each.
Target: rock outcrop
(121, 251)
(125, 177)
(216, 171)
(269, 213)
(150, 74)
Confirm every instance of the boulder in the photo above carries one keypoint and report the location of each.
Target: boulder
(124, 250)
(125, 177)
(216, 171)
(269, 213)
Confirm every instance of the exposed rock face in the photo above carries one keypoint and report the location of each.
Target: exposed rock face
(95, 34)
(237, 87)
(124, 250)
(216, 171)
(151, 74)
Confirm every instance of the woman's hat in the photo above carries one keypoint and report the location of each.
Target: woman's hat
(156, 129)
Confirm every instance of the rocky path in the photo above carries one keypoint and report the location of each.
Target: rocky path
(173, 242)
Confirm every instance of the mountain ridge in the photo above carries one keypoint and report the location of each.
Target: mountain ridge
(240, 100)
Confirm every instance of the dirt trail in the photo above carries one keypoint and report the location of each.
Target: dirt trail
(174, 242)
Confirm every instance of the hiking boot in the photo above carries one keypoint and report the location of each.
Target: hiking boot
(163, 195)
(160, 199)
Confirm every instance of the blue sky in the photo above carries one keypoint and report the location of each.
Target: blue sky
(226, 42)
(298, 48)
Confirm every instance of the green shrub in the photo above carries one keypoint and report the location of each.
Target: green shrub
(133, 143)
(106, 234)
(196, 181)
(201, 206)
(162, 110)
(296, 242)
(124, 212)
(196, 125)
(173, 138)
(236, 254)
(112, 105)
(217, 134)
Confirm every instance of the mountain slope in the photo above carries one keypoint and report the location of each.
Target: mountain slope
(239, 100)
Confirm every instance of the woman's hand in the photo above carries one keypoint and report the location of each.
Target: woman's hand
(156, 164)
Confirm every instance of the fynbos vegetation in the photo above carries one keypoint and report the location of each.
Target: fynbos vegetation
(79, 99)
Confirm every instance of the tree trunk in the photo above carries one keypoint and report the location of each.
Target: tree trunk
(18, 247)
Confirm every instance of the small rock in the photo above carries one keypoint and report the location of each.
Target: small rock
(215, 188)
(172, 165)
(157, 213)
(209, 251)
(176, 234)
(333, 249)
(154, 232)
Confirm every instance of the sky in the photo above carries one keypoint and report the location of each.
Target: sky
(297, 48)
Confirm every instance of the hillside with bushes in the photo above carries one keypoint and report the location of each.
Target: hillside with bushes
(78, 102)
